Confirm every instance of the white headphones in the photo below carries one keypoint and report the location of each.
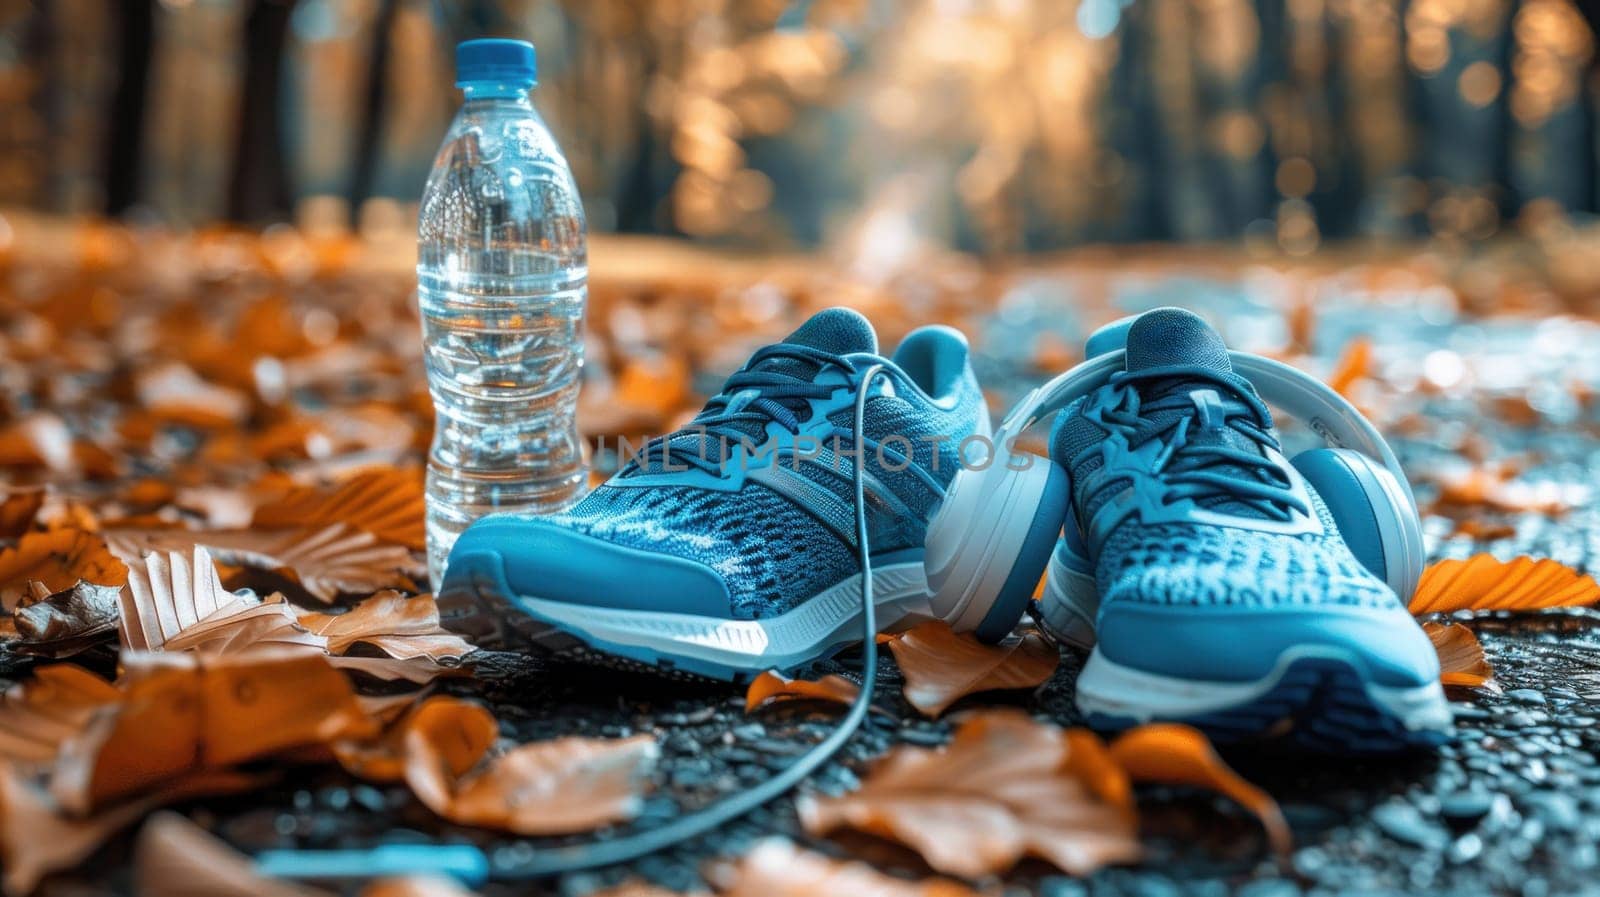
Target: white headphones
(992, 536)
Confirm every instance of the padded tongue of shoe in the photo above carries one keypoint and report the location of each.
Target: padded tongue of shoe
(1169, 336)
(1175, 336)
(841, 331)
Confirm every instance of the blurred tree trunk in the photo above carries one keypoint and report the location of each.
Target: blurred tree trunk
(124, 146)
(370, 132)
(259, 187)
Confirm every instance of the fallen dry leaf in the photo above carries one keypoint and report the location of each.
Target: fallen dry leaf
(387, 503)
(942, 666)
(1461, 658)
(59, 559)
(67, 622)
(403, 628)
(328, 562)
(18, 510)
(545, 788)
(1005, 787)
(1172, 754)
(36, 838)
(771, 688)
(777, 868)
(176, 858)
(1496, 488)
(182, 714)
(37, 715)
(175, 394)
(1355, 364)
(415, 886)
(1483, 582)
(171, 604)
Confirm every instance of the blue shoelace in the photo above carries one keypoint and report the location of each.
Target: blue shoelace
(754, 394)
(1197, 471)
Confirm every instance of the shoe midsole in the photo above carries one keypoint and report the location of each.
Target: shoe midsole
(1109, 688)
(829, 618)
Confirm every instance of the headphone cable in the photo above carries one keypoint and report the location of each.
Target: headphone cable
(470, 865)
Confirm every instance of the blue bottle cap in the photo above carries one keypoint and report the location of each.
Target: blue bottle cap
(496, 59)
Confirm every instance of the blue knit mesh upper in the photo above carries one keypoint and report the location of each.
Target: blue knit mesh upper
(1202, 564)
(770, 552)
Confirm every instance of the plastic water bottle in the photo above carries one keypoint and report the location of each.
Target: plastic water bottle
(502, 279)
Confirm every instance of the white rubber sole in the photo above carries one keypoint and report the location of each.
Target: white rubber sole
(725, 648)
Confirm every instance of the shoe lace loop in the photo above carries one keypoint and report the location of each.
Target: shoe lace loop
(1197, 470)
(757, 393)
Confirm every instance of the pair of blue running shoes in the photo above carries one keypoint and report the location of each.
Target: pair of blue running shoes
(730, 547)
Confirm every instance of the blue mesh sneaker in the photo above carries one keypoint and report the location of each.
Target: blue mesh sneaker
(728, 548)
(1208, 574)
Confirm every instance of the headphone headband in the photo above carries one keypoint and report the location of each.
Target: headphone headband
(1302, 395)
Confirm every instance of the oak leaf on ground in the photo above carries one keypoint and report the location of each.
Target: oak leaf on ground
(1483, 582)
(1006, 787)
(405, 629)
(942, 666)
(173, 604)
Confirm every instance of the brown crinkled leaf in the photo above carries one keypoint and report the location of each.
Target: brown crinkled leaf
(387, 502)
(171, 604)
(328, 562)
(39, 440)
(777, 868)
(37, 715)
(58, 559)
(942, 666)
(545, 788)
(1006, 787)
(68, 622)
(771, 688)
(37, 838)
(1484, 582)
(1461, 658)
(1171, 754)
(185, 713)
(176, 858)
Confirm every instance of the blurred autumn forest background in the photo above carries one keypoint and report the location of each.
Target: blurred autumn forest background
(989, 126)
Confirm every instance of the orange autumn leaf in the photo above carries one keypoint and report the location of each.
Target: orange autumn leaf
(771, 688)
(1172, 754)
(327, 562)
(554, 787)
(57, 558)
(1355, 364)
(1006, 787)
(182, 714)
(403, 628)
(1483, 582)
(387, 503)
(1461, 658)
(777, 868)
(1496, 488)
(942, 666)
(173, 856)
(37, 715)
(37, 838)
(18, 511)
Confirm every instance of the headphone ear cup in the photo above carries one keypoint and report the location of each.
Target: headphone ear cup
(1371, 511)
(989, 542)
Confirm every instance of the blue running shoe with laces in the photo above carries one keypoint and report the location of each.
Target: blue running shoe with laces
(1208, 574)
(728, 548)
